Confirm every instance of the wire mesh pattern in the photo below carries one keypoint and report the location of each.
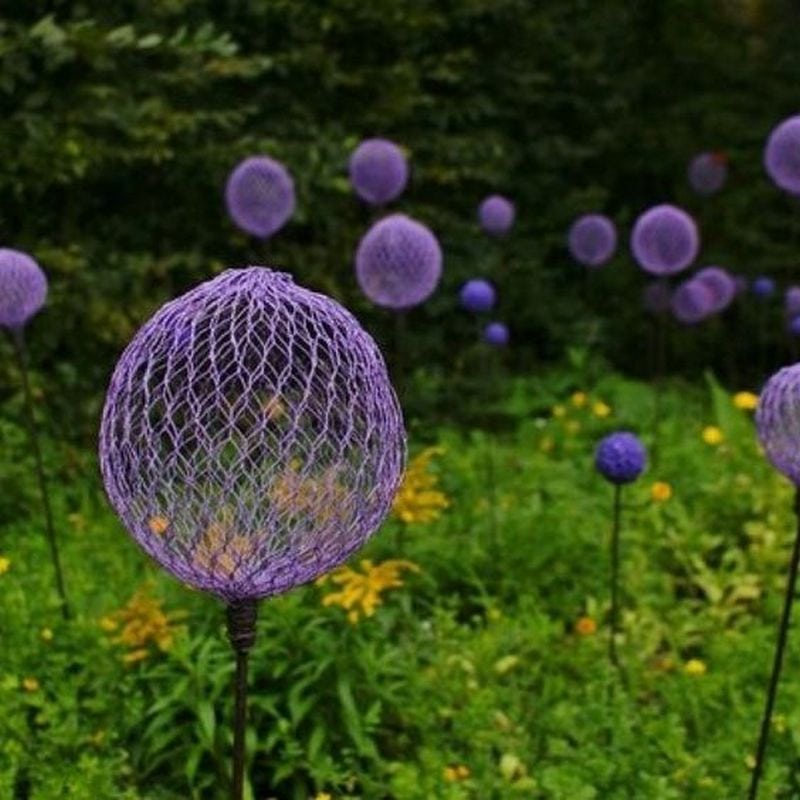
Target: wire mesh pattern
(23, 288)
(251, 439)
(620, 457)
(707, 173)
(721, 285)
(592, 240)
(496, 215)
(260, 196)
(378, 171)
(782, 155)
(398, 263)
(692, 302)
(665, 240)
(778, 421)
(477, 295)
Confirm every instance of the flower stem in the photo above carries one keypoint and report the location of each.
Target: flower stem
(614, 622)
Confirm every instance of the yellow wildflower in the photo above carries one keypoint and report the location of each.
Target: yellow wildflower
(572, 426)
(30, 684)
(360, 592)
(5, 565)
(750, 761)
(419, 498)
(660, 492)
(713, 435)
(585, 626)
(547, 444)
(135, 656)
(46, 634)
(323, 796)
(747, 401)
(695, 667)
(455, 773)
(559, 411)
(579, 399)
(220, 551)
(601, 410)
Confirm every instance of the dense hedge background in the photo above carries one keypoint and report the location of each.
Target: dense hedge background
(120, 121)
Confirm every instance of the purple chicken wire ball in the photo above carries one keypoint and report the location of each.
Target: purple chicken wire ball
(620, 457)
(496, 334)
(692, 302)
(592, 240)
(778, 421)
(378, 171)
(782, 155)
(708, 172)
(665, 240)
(791, 301)
(398, 263)
(721, 285)
(763, 287)
(260, 196)
(477, 296)
(251, 439)
(496, 215)
(23, 289)
(657, 297)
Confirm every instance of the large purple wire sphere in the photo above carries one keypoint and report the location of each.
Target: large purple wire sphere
(477, 296)
(23, 288)
(620, 457)
(707, 173)
(782, 155)
(496, 215)
(778, 421)
(592, 240)
(665, 240)
(496, 334)
(398, 263)
(260, 196)
(251, 439)
(721, 285)
(378, 171)
(692, 302)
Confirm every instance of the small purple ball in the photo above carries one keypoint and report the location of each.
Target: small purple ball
(763, 287)
(496, 215)
(398, 262)
(496, 334)
(791, 301)
(721, 285)
(657, 297)
(778, 421)
(665, 240)
(477, 295)
(794, 325)
(782, 155)
(692, 302)
(592, 240)
(23, 288)
(260, 196)
(378, 171)
(620, 457)
(708, 172)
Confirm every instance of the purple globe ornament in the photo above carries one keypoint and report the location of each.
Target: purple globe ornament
(260, 196)
(763, 287)
(250, 442)
(477, 295)
(378, 171)
(794, 326)
(708, 172)
(23, 289)
(692, 302)
(664, 240)
(782, 155)
(592, 240)
(496, 334)
(496, 215)
(721, 285)
(620, 457)
(791, 301)
(398, 263)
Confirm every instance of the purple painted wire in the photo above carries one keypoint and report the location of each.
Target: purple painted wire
(477, 296)
(592, 240)
(496, 334)
(260, 196)
(707, 173)
(251, 440)
(378, 171)
(778, 421)
(657, 297)
(620, 457)
(398, 263)
(721, 285)
(23, 288)
(665, 240)
(496, 215)
(782, 155)
(692, 302)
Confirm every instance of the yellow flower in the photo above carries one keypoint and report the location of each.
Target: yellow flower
(660, 492)
(455, 773)
(747, 401)
(572, 427)
(30, 684)
(559, 411)
(713, 435)
(585, 626)
(601, 410)
(5, 565)
(323, 796)
(360, 593)
(695, 667)
(46, 634)
(579, 399)
(547, 444)
(419, 498)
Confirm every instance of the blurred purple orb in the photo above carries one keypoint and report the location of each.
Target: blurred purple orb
(592, 240)
(260, 196)
(398, 262)
(378, 171)
(657, 297)
(763, 286)
(721, 285)
(692, 302)
(477, 295)
(794, 326)
(23, 288)
(496, 215)
(620, 457)
(665, 240)
(496, 334)
(782, 155)
(708, 172)
(778, 421)
(791, 301)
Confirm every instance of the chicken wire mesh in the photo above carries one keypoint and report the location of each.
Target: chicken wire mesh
(664, 240)
(378, 171)
(778, 421)
(260, 196)
(592, 240)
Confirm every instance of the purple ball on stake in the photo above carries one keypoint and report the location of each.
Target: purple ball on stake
(378, 171)
(496, 215)
(721, 285)
(692, 302)
(251, 441)
(260, 196)
(782, 155)
(707, 172)
(791, 301)
(496, 334)
(477, 296)
(665, 240)
(794, 325)
(763, 287)
(592, 240)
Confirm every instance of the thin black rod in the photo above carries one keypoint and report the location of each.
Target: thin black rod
(21, 353)
(614, 627)
(783, 632)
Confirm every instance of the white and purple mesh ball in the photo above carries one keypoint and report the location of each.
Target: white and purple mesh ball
(592, 240)
(477, 295)
(778, 421)
(23, 289)
(260, 196)
(782, 155)
(496, 334)
(398, 263)
(707, 173)
(721, 285)
(692, 302)
(665, 240)
(496, 215)
(378, 171)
